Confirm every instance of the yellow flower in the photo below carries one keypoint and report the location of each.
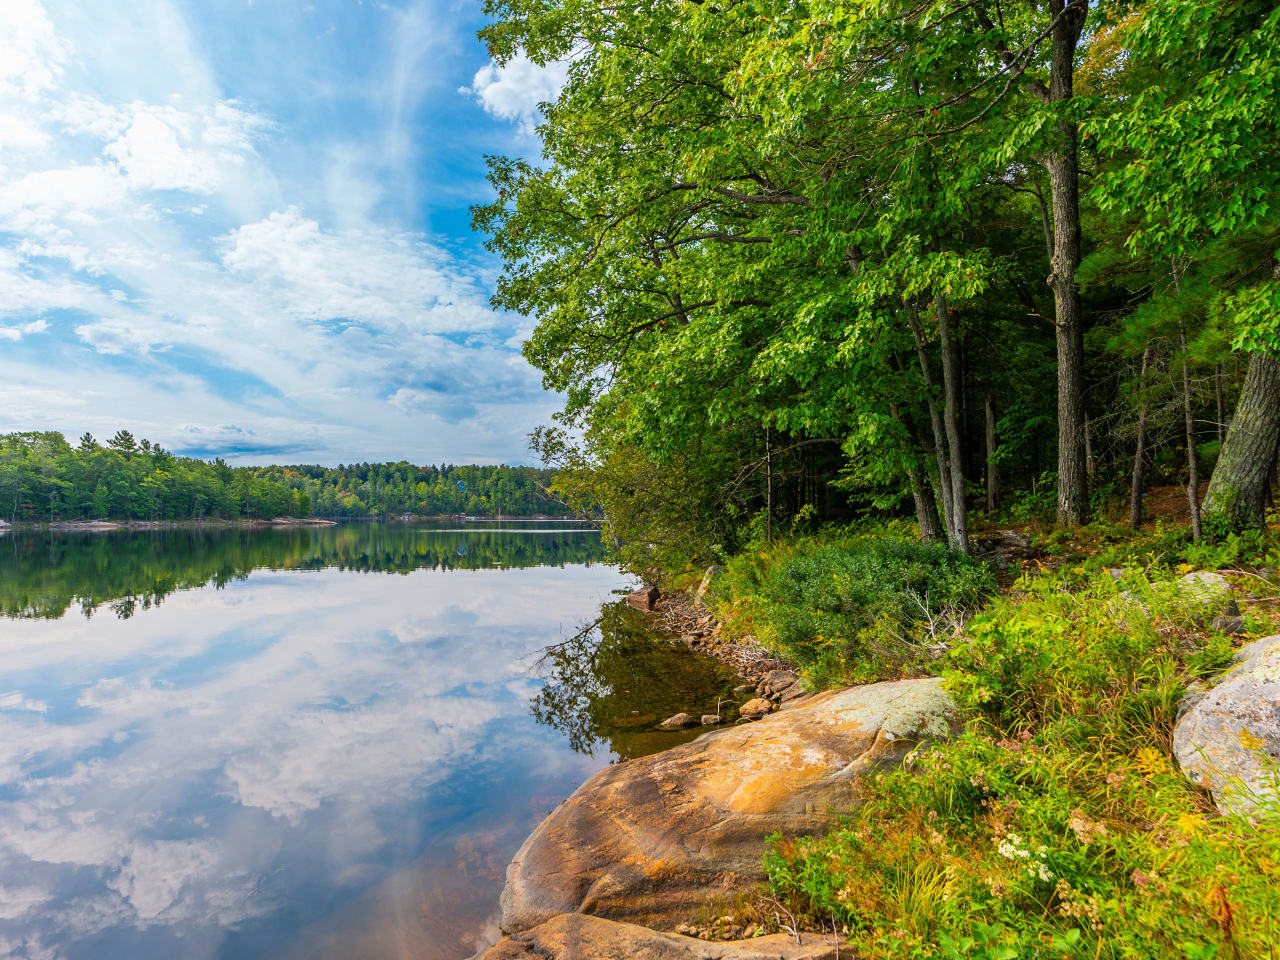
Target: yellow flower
(1191, 824)
(1150, 762)
(1250, 740)
(1185, 567)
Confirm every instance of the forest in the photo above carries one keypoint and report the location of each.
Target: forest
(944, 259)
(384, 489)
(839, 294)
(43, 478)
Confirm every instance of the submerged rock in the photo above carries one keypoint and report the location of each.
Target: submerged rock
(678, 722)
(710, 719)
(575, 936)
(656, 839)
(1229, 735)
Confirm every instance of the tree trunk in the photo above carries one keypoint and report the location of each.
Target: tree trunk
(921, 489)
(768, 499)
(1062, 165)
(935, 422)
(951, 419)
(1140, 454)
(1237, 494)
(1090, 465)
(1217, 389)
(1193, 460)
(993, 471)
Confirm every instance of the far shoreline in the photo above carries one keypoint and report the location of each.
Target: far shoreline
(108, 526)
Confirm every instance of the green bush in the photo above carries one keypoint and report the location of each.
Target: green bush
(848, 606)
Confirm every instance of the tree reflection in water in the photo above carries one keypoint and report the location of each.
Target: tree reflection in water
(615, 680)
(43, 573)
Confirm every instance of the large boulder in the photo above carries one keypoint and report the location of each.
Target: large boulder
(655, 839)
(577, 937)
(1204, 597)
(1229, 737)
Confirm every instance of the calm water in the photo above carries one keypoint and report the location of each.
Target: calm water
(303, 743)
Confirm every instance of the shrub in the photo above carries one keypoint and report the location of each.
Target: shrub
(848, 606)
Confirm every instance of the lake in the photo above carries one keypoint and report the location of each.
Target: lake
(316, 742)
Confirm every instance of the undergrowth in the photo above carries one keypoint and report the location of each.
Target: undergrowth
(1057, 824)
(850, 605)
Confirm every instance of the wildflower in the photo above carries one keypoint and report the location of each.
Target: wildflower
(1085, 829)
(1011, 848)
(1250, 740)
(1140, 880)
(1114, 778)
(1150, 762)
(1040, 869)
(1190, 824)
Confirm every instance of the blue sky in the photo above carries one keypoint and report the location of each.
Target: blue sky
(240, 228)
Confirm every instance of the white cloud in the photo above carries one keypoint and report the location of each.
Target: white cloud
(31, 52)
(514, 90)
(16, 902)
(374, 276)
(14, 700)
(23, 329)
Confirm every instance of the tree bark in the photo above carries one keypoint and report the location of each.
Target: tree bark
(1062, 165)
(951, 420)
(1193, 460)
(935, 422)
(1140, 453)
(1237, 496)
(921, 489)
(1217, 389)
(768, 498)
(1090, 465)
(993, 471)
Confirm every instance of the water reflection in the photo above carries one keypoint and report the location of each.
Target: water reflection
(43, 574)
(611, 683)
(286, 758)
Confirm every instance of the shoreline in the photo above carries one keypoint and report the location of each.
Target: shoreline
(95, 526)
(108, 526)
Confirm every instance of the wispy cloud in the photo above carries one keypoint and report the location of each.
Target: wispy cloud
(183, 245)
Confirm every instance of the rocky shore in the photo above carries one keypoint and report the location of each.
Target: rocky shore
(661, 857)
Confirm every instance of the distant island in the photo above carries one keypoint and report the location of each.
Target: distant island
(45, 479)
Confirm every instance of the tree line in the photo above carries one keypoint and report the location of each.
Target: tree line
(43, 478)
(385, 489)
(938, 255)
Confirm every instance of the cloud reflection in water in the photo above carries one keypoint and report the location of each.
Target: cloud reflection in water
(241, 772)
